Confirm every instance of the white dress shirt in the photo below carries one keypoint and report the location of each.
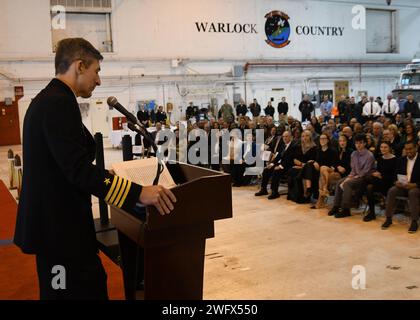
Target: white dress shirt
(390, 106)
(410, 166)
(371, 109)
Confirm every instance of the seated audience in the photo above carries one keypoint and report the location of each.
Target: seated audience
(381, 179)
(407, 185)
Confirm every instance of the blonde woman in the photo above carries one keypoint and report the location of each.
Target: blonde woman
(326, 160)
(300, 190)
(330, 175)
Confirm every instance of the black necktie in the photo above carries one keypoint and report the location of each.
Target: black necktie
(389, 106)
(371, 108)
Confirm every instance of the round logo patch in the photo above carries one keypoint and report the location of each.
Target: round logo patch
(277, 29)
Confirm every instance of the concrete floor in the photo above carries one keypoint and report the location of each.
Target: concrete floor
(276, 249)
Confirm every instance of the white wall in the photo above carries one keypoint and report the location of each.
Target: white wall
(138, 24)
(25, 28)
(148, 34)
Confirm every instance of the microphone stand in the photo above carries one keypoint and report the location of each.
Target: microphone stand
(139, 268)
(146, 135)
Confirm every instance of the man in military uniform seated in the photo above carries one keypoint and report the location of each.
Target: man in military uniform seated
(277, 168)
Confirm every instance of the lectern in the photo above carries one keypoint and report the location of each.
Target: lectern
(172, 247)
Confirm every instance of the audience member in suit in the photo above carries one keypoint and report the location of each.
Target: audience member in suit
(343, 109)
(161, 115)
(388, 136)
(283, 107)
(382, 179)
(152, 116)
(377, 130)
(278, 167)
(371, 110)
(362, 165)
(411, 107)
(255, 108)
(371, 144)
(143, 116)
(297, 190)
(348, 132)
(355, 109)
(272, 138)
(390, 107)
(234, 157)
(243, 160)
(269, 110)
(306, 108)
(241, 109)
(358, 113)
(408, 166)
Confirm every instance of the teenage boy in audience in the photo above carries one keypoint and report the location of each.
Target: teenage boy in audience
(362, 166)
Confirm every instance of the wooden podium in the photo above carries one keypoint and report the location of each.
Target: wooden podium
(169, 250)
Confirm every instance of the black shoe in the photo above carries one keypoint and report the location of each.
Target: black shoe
(387, 223)
(369, 217)
(306, 199)
(261, 193)
(413, 227)
(334, 211)
(273, 196)
(344, 213)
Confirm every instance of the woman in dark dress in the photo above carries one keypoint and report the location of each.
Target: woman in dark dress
(326, 158)
(382, 179)
(297, 189)
(409, 133)
(330, 175)
(315, 123)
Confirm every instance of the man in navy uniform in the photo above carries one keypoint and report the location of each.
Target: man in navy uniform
(55, 220)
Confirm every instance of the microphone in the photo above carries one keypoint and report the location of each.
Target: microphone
(113, 102)
(133, 124)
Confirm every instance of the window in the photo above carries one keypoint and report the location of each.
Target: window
(410, 79)
(88, 19)
(381, 36)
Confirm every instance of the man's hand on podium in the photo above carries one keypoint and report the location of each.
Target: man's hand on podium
(159, 197)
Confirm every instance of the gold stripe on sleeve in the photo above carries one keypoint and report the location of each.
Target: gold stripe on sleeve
(117, 190)
(120, 193)
(114, 182)
(125, 194)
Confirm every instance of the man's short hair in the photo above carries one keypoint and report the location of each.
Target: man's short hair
(360, 137)
(412, 142)
(72, 49)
